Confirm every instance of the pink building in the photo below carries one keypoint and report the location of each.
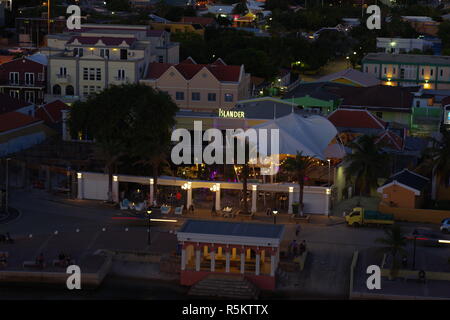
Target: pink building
(217, 247)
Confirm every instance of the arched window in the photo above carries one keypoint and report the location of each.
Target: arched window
(57, 89)
(69, 91)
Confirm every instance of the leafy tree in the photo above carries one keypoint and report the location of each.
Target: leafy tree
(444, 33)
(193, 45)
(300, 166)
(394, 242)
(240, 8)
(438, 158)
(367, 163)
(132, 120)
(256, 62)
(117, 5)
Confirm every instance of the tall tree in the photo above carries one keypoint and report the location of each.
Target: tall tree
(393, 241)
(131, 119)
(300, 166)
(366, 163)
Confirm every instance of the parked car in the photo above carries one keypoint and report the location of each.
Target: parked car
(445, 225)
(425, 237)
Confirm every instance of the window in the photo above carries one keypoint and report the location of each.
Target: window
(120, 74)
(179, 95)
(376, 69)
(123, 54)
(40, 76)
(423, 71)
(14, 94)
(29, 96)
(57, 89)
(78, 52)
(91, 73)
(228, 97)
(70, 91)
(14, 78)
(385, 70)
(29, 78)
(441, 72)
(104, 53)
(160, 59)
(63, 71)
(394, 71)
(431, 72)
(211, 97)
(367, 69)
(98, 73)
(85, 74)
(85, 91)
(195, 96)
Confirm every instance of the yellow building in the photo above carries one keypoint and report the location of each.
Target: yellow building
(174, 27)
(98, 56)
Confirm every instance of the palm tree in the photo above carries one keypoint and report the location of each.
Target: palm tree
(439, 158)
(300, 166)
(367, 163)
(393, 242)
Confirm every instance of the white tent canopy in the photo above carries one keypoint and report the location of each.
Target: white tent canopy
(308, 135)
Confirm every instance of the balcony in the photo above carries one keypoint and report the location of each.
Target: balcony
(62, 78)
(34, 84)
(121, 79)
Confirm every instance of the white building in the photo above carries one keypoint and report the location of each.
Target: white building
(81, 63)
(402, 45)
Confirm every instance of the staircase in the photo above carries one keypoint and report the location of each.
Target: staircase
(225, 286)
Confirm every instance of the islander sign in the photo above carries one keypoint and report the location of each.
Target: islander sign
(231, 114)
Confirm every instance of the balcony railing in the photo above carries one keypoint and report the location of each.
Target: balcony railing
(124, 79)
(22, 83)
(62, 78)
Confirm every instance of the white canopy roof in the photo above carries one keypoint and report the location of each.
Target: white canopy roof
(309, 135)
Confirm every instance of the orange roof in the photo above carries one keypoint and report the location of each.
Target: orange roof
(14, 120)
(356, 118)
(4, 59)
(51, 112)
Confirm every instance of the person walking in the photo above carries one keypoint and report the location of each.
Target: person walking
(297, 230)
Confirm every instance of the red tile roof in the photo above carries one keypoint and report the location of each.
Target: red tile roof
(376, 97)
(14, 120)
(109, 41)
(8, 103)
(189, 70)
(51, 112)
(391, 140)
(356, 118)
(445, 101)
(189, 60)
(204, 21)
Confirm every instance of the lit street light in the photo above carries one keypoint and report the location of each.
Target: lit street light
(149, 240)
(275, 212)
(7, 186)
(414, 252)
(329, 171)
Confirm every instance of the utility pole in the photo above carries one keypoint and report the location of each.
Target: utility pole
(48, 17)
(7, 186)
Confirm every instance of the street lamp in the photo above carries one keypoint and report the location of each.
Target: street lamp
(275, 212)
(149, 240)
(415, 233)
(329, 171)
(7, 186)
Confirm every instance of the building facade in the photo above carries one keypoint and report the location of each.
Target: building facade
(430, 72)
(23, 79)
(200, 87)
(98, 56)
(400, 45)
